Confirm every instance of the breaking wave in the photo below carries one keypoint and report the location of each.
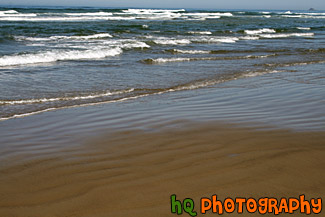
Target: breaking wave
(57, 55)
(172, 41)
(187, 59)
(259, 31)
(286, 35)
(175, 51)
(201, 33)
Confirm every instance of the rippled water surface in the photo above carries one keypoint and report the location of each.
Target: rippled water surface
(68, 57)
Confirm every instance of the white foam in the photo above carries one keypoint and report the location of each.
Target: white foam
(192, 51)
(99, 35)
(27, 114)
(288, 12)
(259, 31)
(304, 16)
(304, 28)
(82, 105)
(249, 38)
(57, 55)
(13, 13)
(121, 18)
(9, 12)
(294, 16)
(267, 16)
(45, 100)
(146, 16)
(172, 41)
(101, 13)
(49, 19)
(313, 14)
(134, 44)
(166, 60)
(197, 85)
(145, 26)
(258, 56)
(215, 39)
(254, 74)
(200, 16)
(201, 33)
(168, 16)
(209, 14)
(152, 14)
(150, 11)
(287, 35)
(123, 43)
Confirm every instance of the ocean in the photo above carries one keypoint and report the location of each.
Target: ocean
(53, 58)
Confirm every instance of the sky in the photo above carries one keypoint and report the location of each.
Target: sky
(206, 4)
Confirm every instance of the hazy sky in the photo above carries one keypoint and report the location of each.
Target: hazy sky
(213, 4)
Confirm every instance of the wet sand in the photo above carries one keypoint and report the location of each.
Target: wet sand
(134, 172)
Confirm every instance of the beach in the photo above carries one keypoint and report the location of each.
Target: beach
(134, 172)
(116, 110)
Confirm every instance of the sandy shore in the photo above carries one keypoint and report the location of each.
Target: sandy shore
(116, 137)
(134, 172)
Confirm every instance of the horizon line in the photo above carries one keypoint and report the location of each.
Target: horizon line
(134, 7)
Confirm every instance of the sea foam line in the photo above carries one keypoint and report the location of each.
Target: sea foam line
(172, 41)
(304, 28)
(214, 39)
(190, 86)
(44, 100)
(10, 13)
(259, 31)
(48, 19)
(100, 13)
(287, 35)
(188, 59)
(254, 74)
(150, 11)
(189, 51)
(200, 32)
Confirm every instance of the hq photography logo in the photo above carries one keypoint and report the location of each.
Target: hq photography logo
(249, 205)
